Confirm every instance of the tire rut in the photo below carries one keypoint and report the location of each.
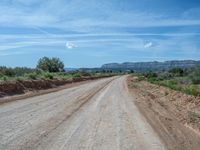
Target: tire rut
(57, 120)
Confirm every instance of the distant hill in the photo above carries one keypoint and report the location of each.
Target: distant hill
(147, 66)
(70, 69)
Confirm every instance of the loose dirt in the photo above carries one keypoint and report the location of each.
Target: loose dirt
(174, 115)
(99, 115)
(17, 90)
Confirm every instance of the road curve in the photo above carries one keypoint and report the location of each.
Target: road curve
(98, 115)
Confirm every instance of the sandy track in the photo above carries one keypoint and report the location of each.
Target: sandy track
(97, 115)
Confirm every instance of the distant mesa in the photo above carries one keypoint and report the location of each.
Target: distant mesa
(71, 69)
(147, 66)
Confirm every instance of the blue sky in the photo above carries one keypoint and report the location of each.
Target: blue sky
(93, 32)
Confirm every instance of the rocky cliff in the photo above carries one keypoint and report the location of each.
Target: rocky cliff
(145, 66)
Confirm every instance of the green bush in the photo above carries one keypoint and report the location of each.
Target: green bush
(9, 72)
(48, 75)
(19, 78)
(32, 76)
(192, 91)
(62, 73)
(176, 79)
(5, 78)
(195, 79)
(85, 74)
(154, 79)
(165, 76)
(177, 72)
(1, 75)
(77, 75)
(171, 84)
(17, 71)
(140, 78)
(151, 75)
(194, 75)
(192, 116)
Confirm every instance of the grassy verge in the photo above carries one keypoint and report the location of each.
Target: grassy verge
(183, 83)
(59, 75)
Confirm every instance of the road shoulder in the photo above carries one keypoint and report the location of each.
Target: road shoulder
(169, 127)
(33, 93)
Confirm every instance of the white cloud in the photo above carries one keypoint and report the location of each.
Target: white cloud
(148, 45)
(70, 45)
(29, 43)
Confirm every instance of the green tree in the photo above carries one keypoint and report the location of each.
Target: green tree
(56, 65)
(50, 64)
(177, 71)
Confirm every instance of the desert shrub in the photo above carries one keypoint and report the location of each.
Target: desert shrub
(62, 74)
(19, 78)
(140, 78)
(183, 80)
(192, 91)
(165, 75)
(42, 77)
(192, 116)
(154, 79)
(77, 75)
(7, 71)
(176, 79)
(84, 73)
(48, 75)
(194, 75)
(32, 76)
(21, 71)
(150, 75)
(171, 84)
(17, 71)
(177, 72)
(5, 78)
(195, 79)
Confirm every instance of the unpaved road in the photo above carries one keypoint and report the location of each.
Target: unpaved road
(98, 115)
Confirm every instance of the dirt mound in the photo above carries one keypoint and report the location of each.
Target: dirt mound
(11, 87)
(173, 114)
(20, 87)
(8, 88)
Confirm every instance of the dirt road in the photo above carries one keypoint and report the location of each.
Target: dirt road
(98, 115)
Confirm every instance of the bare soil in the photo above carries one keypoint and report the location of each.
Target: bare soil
(175, 116)
(16, 90)
(98, 115)
(102, 114)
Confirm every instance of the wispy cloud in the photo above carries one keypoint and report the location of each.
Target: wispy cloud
(148, 45)
(117, 30)
(43, 42)
(70, 45)
(11, 53)
(131, 41)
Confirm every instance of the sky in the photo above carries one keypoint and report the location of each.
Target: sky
(89, 33)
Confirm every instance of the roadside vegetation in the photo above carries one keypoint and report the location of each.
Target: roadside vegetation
(184, 80)
(165, 107)
(47, 68)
